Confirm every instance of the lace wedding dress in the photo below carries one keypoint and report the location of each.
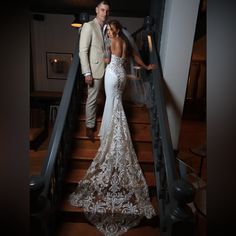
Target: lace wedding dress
(114, 193)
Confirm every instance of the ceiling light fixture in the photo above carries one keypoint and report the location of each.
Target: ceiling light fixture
(79, 20)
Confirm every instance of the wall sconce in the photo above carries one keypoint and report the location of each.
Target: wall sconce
(76, 23)
(79, 20)
(148, 23)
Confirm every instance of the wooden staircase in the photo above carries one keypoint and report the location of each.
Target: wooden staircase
(72, 221)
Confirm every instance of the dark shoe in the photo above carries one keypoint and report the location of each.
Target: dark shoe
(90, 134)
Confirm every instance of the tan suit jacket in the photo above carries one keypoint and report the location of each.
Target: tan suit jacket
(91, 49)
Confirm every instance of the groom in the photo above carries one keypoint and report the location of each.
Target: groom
(91, 53)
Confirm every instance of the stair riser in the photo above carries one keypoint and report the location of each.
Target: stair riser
(141, 132)
(137, 114)
(73, 217)
(87, 144)
(133, 113)
(71, 187)
(77, 175)
(85, 155)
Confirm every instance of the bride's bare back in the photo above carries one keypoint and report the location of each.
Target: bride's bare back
(118, 47)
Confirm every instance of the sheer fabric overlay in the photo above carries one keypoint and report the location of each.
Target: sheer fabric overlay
(136, 90)
(114, 193)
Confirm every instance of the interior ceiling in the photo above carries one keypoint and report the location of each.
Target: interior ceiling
(128, 8)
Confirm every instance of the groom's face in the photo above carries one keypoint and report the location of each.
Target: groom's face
(102, 11)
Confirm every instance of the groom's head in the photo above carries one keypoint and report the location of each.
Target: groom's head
(105, 2)
(102, 10)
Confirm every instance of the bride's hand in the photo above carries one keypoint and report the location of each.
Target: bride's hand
(106, 60)
(151, 66)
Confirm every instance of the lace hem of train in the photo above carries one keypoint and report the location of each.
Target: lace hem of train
(114, 193)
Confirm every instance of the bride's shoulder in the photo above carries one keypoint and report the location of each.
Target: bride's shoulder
(116, 41)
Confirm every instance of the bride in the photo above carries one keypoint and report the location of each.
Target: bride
(114, 193)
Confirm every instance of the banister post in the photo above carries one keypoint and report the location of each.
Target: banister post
(181, 220)
(38, 207)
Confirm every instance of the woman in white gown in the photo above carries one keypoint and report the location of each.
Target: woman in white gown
(114, 193)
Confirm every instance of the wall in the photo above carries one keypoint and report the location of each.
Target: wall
(55, 34)
(175, 53)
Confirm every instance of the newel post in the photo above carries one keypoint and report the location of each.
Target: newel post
(181, 218)
(38, 207)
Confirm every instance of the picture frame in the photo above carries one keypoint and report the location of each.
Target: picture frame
(58, 65)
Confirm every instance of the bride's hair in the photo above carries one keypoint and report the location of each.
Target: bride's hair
(118, 26)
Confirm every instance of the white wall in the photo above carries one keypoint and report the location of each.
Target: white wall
(55, 34)
(175, 53)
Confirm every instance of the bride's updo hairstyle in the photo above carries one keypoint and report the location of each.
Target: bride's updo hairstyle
(118, 26)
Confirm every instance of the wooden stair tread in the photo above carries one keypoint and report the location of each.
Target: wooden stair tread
(85, 143)
(75, 175)
(38, 153)
(34, 133)
(82, 118)
(134, 114)
(67, 207)
(141, 137)
(74, 229)
(75, 216)
(89, 154)
(130, 120)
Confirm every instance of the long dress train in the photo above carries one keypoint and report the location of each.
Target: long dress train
(114, 193)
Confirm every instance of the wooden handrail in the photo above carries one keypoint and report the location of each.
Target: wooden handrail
(54, 142)
(45, 189)
(173, 192)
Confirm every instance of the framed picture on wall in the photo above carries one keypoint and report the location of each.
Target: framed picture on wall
(58, 64)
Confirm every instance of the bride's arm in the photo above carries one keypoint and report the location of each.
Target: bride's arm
(140, 62)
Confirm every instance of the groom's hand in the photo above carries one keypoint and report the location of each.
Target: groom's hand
(89, 80)
(106, 60)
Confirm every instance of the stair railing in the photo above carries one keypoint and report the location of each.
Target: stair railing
(174, 193)
(46, 189)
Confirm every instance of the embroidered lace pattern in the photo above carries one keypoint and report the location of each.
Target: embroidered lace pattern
(114, 193)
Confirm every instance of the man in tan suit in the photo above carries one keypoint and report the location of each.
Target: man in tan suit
(91, 53)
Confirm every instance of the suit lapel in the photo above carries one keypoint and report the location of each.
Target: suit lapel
(98, 28)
